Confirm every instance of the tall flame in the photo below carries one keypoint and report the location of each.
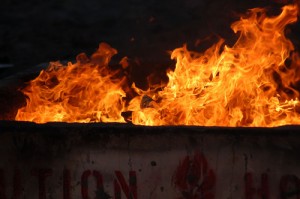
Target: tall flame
(253, 83)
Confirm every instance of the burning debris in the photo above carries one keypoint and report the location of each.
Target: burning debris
(255, 82)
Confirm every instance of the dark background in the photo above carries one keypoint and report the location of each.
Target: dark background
(35, 31)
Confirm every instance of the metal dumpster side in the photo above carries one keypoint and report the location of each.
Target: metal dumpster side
(71, 161)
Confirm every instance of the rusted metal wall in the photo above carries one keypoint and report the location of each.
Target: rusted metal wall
(72, 161)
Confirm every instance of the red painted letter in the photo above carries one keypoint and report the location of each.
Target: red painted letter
(100, 194)
(16, 185)
(289, 187)
(117, 190)
(129, 191)
(42, 174)
(262, 192)
(194, 178)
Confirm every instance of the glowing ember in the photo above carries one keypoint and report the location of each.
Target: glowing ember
(248, 84)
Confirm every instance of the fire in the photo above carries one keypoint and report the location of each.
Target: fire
(83, 92)
(253, 83)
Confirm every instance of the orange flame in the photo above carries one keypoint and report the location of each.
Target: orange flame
(81, 92)
(248, 84)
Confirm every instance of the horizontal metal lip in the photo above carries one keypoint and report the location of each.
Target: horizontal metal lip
(24, 126)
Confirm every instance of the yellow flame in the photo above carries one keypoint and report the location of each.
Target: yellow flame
(248, 84)
(81, 92)
(242, 85)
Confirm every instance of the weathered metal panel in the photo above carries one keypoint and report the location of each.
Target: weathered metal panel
(59, 160)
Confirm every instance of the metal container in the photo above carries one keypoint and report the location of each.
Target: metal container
(74, 161)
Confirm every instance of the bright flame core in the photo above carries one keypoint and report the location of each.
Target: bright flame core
(248, 84)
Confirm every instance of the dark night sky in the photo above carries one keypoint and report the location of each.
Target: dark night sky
(35, 31)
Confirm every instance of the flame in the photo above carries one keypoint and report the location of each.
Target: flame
(83, 92)
(253, 83)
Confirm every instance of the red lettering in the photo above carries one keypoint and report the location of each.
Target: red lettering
(194, 179)
(84, 184)
(289, 187)
(250, 191)
(42, 174)
(100, 193)
(16, 185)
(117, 190)
(99, 184)
(129, 191)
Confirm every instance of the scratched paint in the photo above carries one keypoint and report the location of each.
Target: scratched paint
(74, 161)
